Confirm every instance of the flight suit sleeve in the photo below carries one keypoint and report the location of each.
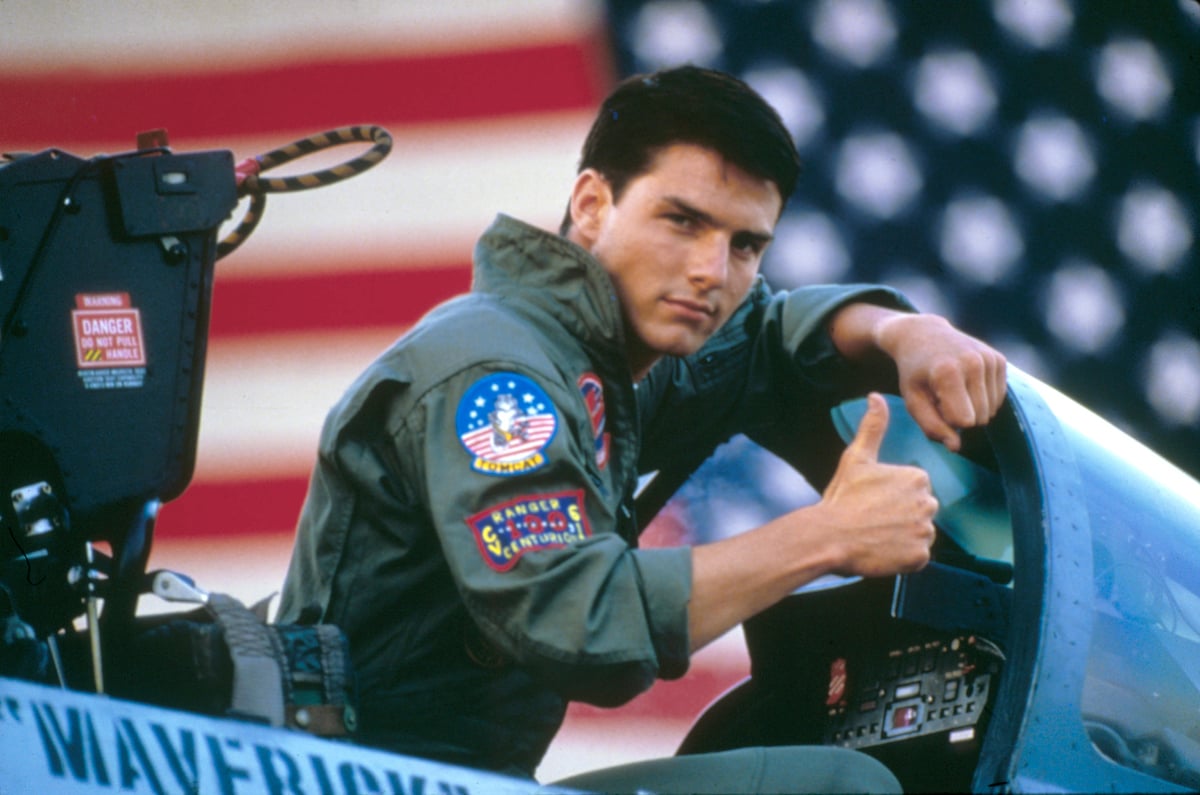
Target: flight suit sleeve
(771, 372)
(532, 533)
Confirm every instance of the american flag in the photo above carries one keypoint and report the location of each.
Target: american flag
(488, 102)
(535, 433)
(487, 105)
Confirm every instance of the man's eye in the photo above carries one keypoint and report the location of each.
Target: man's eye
(749, 247)
(680, 220)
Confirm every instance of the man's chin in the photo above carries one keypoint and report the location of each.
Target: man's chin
(680, 344)
(685, 347)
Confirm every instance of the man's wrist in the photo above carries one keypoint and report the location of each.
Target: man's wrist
(859, 330)
(890, 333)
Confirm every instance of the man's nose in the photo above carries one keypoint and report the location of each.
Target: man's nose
(710, 262)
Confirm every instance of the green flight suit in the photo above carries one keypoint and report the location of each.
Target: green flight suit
(470, 521)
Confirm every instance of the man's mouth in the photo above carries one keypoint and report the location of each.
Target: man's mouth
(692, 306)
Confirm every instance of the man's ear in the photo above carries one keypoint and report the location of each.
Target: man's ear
(591, 200)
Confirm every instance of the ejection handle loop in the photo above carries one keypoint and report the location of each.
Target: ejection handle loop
(250, 181)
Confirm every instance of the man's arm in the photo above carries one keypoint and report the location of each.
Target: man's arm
(948, 379)
(873, 520)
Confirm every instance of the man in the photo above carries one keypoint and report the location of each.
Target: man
(470, 522)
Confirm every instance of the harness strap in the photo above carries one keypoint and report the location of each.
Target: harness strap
(259, 683)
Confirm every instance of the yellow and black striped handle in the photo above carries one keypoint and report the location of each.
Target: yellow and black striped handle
(379, 137)
(250, 180)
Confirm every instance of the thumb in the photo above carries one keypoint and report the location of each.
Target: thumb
(871, 429)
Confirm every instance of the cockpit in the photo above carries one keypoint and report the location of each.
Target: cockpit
(1053, 642)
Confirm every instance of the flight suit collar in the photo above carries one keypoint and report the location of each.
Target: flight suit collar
(559, 278)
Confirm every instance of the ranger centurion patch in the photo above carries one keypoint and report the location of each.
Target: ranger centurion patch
(505, 421)
(507, 531)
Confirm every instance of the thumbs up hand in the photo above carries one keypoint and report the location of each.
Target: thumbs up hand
(871, 430)
(880, 515)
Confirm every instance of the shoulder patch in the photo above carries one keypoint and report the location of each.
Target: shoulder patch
(529, 523)
(505, 421)
(592, 390)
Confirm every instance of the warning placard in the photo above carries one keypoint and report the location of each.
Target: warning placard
(108, 331)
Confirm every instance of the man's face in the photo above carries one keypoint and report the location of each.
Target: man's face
(682, 246)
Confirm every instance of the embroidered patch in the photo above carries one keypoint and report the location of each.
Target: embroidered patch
(507, 531)
(505, 421)
(593, 395)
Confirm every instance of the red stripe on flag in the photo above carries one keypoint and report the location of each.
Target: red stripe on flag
(83, 106)
(318, 302)
(226, 510)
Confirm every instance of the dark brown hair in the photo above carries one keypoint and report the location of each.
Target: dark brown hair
(693, 105)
